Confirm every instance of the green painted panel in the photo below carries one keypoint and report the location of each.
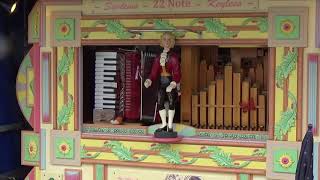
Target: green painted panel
(99, 172)
(287, 27)
(64, 29)
(285, 160)
(244, 177)
(31, 148)
(64, 148)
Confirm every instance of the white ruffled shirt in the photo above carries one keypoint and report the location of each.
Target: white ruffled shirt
(163, 57)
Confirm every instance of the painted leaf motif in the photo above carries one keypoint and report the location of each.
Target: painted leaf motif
(261, 22)
(63, 65)
(163, 24)
(286, 122)
(66, 112)
(114, 26)
(84, 153)
(222, 159)
(216, 26)
(120, 151)
(259, 152)
(195, 21)
(31, 85)
(171, 156)
(70, 56)
(123, 153)
(287, 65)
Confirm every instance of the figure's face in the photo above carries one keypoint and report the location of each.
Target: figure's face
(166, 41)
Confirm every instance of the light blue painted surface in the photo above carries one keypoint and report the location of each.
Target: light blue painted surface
(43, 149)
(45, 88)
(315, 160)
(312, 92)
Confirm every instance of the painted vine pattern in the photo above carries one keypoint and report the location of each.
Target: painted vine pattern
(225, 160)
(288, 117)
(112, 26)
(162, 24)
(211, 25)
(261, 22)
(63, 69)
(66, 112)
(64, 65)
(172, 156)
(214, 25)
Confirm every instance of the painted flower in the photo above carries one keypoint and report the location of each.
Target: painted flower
(287, 26)
(64, 29)
(64, 148)
(285, 161)
(33, 149)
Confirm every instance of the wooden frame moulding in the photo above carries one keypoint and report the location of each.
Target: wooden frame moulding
(255, 42)
(76, 91)
(187, 42)
(54, 87)
(176, 167)
(299, 94)
(271, 92)
(61, 2)
(175, 16)
(184, 154)
(192, 141)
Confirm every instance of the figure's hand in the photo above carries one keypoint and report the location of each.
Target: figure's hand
(147, 83)
(171, 86)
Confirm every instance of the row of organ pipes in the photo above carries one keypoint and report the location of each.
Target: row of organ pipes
(230, 100)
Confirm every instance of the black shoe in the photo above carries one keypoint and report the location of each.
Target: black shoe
(170, 130)
(162, 129)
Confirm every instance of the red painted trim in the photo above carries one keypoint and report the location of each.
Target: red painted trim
(37, 88)
(73, 170)
(35, 58)
(318, 102)
(313, 57)
(31, 174)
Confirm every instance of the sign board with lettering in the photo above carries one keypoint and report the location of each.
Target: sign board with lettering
(122, 7)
